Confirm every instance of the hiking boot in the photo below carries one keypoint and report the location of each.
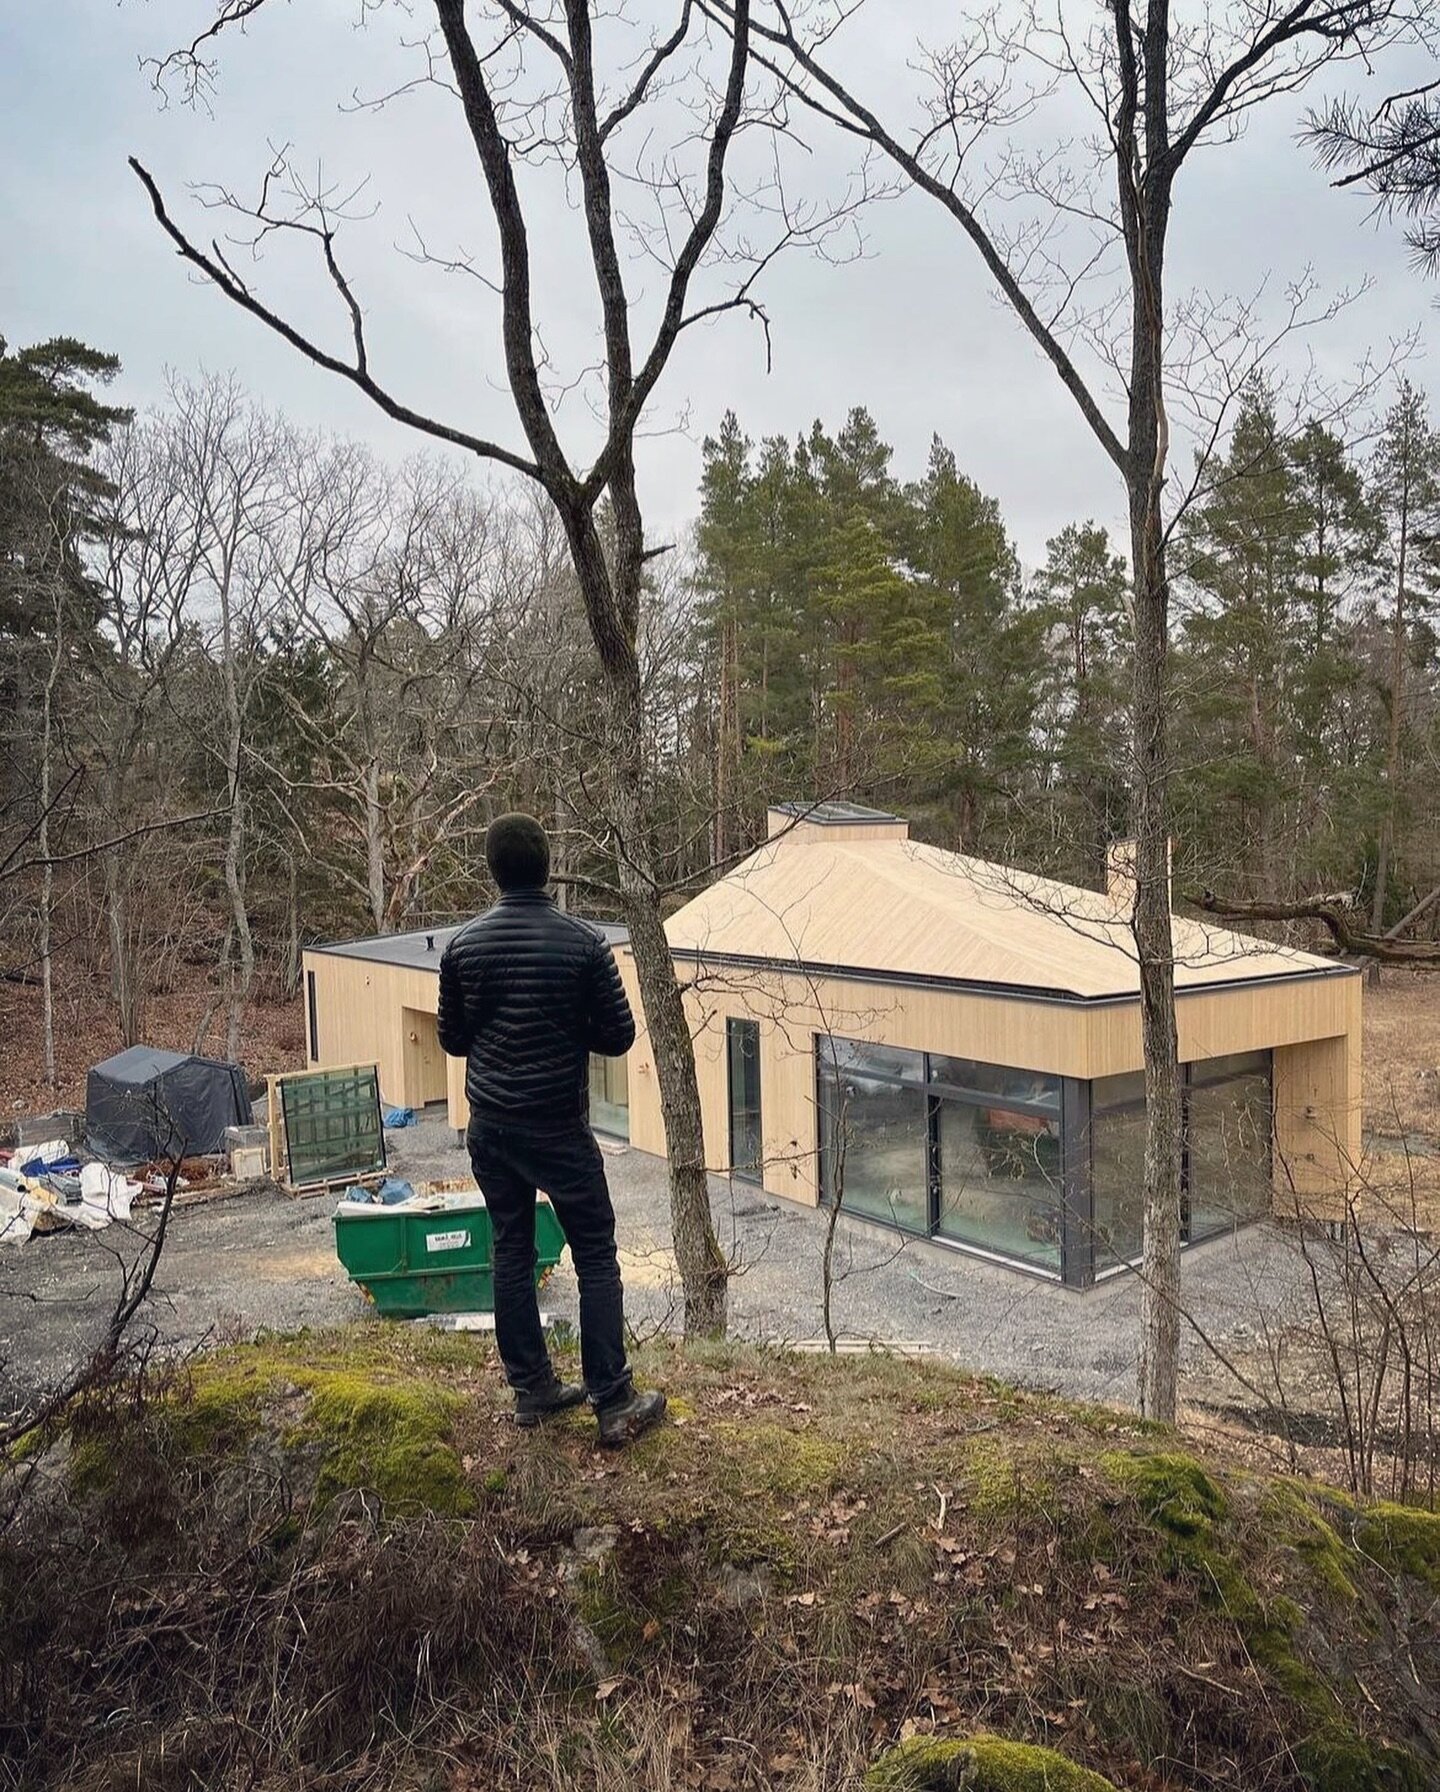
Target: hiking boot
(534, 1405)
(620, 1423)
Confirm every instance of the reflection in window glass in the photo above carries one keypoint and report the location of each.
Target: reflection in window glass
(742, 1047)
(1222, 1070)
(1028, 1088)
(1000, 1181)
(1229, 1140)
(1117, 1168)
(857, 1060)
(610, 1096)
(1120, 1091)
(874, 1147)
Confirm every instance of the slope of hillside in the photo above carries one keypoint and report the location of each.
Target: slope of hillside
(331, 1561)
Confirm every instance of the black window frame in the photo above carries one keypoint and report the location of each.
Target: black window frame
(935, 1093)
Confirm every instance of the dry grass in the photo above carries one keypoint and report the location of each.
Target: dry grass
(1402, 1097)
(1402, 1055)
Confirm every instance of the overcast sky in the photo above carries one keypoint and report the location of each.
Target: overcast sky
(911, 330)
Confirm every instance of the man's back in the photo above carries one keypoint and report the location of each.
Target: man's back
(526, 995)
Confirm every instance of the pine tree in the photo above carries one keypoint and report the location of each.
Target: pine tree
(724, 539)
(1082, 590)
(1405, 489)
(976, 704)
(1241, 557)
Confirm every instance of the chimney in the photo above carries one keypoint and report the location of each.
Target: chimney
(1121, 876)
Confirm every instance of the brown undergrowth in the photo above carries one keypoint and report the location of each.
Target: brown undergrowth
(331, 1561)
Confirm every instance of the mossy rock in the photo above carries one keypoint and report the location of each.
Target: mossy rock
(1404, 1539)
(981, 1764)
(1291, 1520)
(1337, 1760)
(353, 1419)
(1170, 1488)
(393, 1437)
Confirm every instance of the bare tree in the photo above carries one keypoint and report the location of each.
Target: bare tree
(535, 84)
(1161, 87)
(393, 589)
(147, 563)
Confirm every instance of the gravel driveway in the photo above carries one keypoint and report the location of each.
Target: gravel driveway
(261, 1260)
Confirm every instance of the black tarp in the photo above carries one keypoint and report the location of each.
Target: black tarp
(144, 1103)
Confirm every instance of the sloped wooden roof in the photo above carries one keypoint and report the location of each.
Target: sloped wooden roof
(896, 908)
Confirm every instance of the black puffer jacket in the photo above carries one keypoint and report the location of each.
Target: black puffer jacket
(526, 994)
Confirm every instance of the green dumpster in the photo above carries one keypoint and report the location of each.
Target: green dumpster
(432, 1254)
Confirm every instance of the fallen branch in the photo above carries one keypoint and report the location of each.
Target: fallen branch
(1347, 937)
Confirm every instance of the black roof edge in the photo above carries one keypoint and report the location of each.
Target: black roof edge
(351, 948)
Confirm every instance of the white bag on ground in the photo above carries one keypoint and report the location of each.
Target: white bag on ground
(105, 1195)
(16, 1220)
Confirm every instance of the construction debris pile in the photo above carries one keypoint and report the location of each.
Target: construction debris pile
(143, 1109)
(48, 1187)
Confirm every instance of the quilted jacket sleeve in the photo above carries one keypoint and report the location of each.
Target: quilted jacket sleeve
(452, 1021)
(611, 1026)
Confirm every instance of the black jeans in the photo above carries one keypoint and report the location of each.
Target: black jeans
(510, 1165)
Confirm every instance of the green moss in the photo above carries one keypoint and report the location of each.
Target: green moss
(1171, 1489)
(983, 1764)
(1009, 1480)
(1403, 1539)
(1337, 1760)
(393, 1437)
(369, 1420)
(1193, 1514)
(1290, 1520)
(771, 1458)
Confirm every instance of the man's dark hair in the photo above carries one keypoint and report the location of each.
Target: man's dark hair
(517, 851)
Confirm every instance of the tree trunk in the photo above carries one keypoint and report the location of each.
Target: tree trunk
(47, 872)
(1159, 1364)
(704, 1272)
(1146, 209)
(1386, 847)
(612, 606)
(123, 981)
(238, 994)
(374, 845)
(290, 975)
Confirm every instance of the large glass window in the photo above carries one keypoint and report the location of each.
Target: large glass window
(1000, 1180)
(1117, 1168)
(943, 1145)
(1229, 1132)
(610, 1096)
(1227, 1106)
(875, 1140)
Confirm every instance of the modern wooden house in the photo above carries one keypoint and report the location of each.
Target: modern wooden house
(947, 1046)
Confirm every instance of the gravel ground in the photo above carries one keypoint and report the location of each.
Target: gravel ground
(263, 1260)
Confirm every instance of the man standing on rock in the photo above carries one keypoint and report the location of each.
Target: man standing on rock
(526, 995)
